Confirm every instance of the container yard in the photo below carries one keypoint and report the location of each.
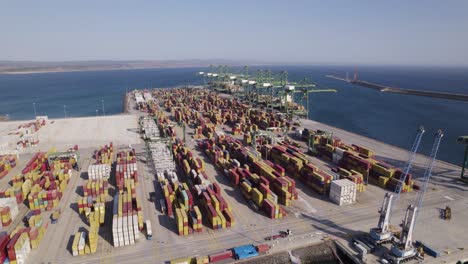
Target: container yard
(208, 178)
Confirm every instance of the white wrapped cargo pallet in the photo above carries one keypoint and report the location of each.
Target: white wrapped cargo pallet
(161, 157)
(82, 241)
(343, 192)
(136, 231)
(125, 230)
(120, 232)
(115, 234)
(99, 171)
(130, 230)
(336, 158)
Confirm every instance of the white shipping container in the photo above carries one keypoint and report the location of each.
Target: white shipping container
(343, 192)
(336, 158)
(339, 151)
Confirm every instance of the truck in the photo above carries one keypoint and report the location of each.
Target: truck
(55, 216)
(149, 232)
(281, 234)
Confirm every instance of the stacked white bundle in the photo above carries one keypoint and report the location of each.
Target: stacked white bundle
(125, 230)
(82, 243)
(136, 231)
(161, 157)
(338, 155)
(150, 128)
(343, 192)
(148, 96)
(129, 173)
(139, 98)
(99, 171)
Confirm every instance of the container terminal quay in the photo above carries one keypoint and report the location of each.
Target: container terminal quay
(231, 171)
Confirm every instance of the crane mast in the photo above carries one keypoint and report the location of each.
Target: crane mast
(382, 232)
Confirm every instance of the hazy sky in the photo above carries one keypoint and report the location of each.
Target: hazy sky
(315, 32)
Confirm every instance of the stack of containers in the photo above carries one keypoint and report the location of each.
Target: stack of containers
(37, 229)
(343, 192)
(7, 162)
(99, 171)
(257, 189)
(255, 184)
(94, 222)
(217, 209)
(18, 248)
(8, 210)
(126, 168)
(96, 188)
(353, 176)
(75, 244)
(316, 179)
(41, 199)
(4, 239)
(127, 219)
(105, 155)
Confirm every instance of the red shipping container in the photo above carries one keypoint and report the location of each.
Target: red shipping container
(220, 256)
(262, 248)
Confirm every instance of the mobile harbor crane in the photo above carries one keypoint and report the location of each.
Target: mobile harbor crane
(404, 249)
(382, 233)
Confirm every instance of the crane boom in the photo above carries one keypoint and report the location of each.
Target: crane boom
(409, 164)
(428, 171)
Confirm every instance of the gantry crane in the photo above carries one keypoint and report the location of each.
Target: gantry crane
(404, 248)
(381, 233)
(303, 87)
(464, 140)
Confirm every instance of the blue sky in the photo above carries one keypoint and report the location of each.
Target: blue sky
(313, 32)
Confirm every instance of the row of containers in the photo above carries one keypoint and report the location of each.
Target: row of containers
(93, 203)
(237, 253)
(207, 195)
(259, 180)
(194, 199)
(7, 162)
(127, 219)
(86, 242)
(358, 160)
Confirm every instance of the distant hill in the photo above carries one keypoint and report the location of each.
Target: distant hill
(18, 67)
